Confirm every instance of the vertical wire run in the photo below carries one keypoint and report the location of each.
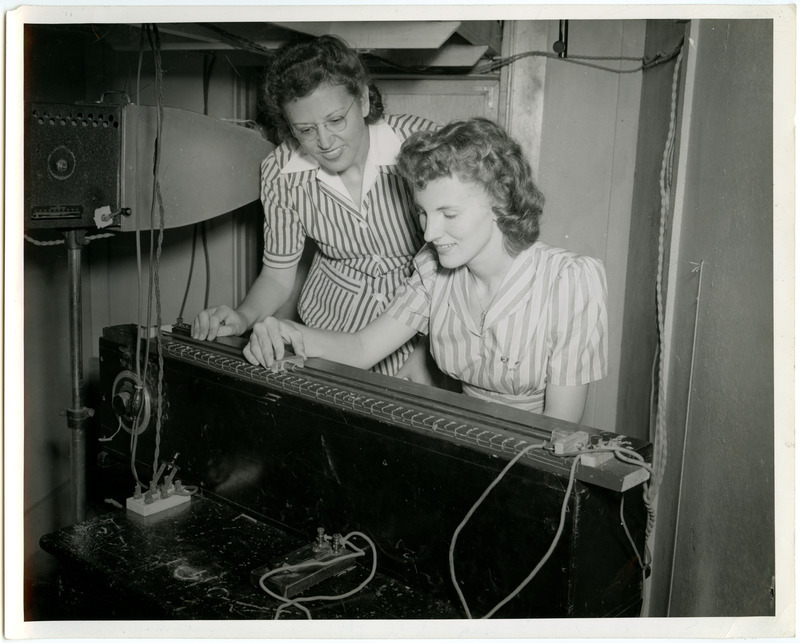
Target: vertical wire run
(139, 311)
(191, 272)
(660, 438)
(157, 188)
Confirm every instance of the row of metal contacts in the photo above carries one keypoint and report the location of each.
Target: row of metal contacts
(289, 380)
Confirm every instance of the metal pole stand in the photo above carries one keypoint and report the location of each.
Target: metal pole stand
(78, 415)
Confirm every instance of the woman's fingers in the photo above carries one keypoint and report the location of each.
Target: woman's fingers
(252, 352)
(268, 339)
(221, 322)
(218, 321)
(297, 340)
(200, 325)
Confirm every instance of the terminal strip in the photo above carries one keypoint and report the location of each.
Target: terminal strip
(289, 380)
(597, 467)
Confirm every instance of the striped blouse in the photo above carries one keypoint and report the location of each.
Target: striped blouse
(547, 324)
(364, 251)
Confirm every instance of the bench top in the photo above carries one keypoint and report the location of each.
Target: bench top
(195, 560)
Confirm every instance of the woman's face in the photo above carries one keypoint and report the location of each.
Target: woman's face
(458, 220)
(321, 111)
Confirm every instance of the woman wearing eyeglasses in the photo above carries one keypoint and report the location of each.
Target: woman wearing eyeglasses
(334, 180)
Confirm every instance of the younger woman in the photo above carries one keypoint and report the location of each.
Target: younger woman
(515, 320)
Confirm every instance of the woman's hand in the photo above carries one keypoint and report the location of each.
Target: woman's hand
(219, 321)
(268, 339)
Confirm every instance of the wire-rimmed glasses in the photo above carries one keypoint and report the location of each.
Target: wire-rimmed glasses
(307, 132)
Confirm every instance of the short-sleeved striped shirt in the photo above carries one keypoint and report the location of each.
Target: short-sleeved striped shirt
(364, 250)
(547, 324)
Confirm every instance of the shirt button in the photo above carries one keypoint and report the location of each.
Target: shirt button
(376, 257)
(381, 298)
(363, 225)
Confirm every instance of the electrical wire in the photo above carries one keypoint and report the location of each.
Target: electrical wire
(660, 439)
(626, 455)
(296, 602)
(562, 521)
(472, 510)
(191, 273)
(644, 63)
(155, 44)
(630, 457)
(58, 242)
(187, 490)
(115, 91)
(139, 313)
(239, 41)
(204, 243)
(208, 65)
(153, 202)
(208, 68)
(628, 532)
(111, 437)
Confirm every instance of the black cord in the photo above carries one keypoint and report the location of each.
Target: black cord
(208, 263)
(208, 67)
(191, 273)
(645, 64)
(239, 41)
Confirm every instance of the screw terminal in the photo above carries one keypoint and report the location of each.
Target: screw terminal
(321, 543)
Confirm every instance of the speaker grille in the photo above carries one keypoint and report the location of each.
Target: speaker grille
(72, 163)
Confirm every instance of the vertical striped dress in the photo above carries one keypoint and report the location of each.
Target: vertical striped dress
(364, 250)
(547, 324)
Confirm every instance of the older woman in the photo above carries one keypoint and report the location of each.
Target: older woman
(333, 180)
(515, 320)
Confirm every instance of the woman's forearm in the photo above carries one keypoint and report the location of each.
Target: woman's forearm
(362, 349)
(269, 292)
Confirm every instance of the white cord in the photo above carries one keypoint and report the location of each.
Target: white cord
(626, 455)
(665, 181)
(58, 242)
(475, 506)
(108, 439)
(295, 602)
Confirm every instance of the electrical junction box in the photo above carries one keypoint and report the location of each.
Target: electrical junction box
(158, 503)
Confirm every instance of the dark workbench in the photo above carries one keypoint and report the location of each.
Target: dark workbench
(194, 562)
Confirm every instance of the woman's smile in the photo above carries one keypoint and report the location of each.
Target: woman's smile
(458, 221)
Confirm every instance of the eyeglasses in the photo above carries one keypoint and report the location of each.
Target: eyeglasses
(309, 131)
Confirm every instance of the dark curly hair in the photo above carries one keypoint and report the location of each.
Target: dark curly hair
(480, 151)
(300, 67)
